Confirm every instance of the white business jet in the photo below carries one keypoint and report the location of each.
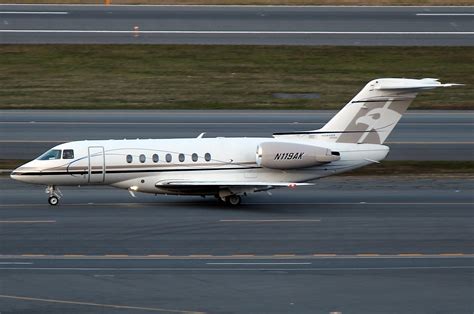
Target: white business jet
(229, 168)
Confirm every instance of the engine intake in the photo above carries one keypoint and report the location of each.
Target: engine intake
(281, 155)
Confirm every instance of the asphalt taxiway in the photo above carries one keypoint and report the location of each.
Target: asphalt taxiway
(327, 248)
(420, 135)
(262, 25)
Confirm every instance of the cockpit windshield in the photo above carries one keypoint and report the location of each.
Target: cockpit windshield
(50, 155)
(68, 154)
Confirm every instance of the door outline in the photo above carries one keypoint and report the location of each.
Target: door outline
(96, 177)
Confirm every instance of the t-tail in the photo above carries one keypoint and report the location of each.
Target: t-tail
(373, 113)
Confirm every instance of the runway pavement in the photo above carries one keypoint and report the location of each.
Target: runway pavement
(322, 249)
(420, 135)
(262, 25)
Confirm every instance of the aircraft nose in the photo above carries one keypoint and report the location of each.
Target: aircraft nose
(15, 174)
(18, 174)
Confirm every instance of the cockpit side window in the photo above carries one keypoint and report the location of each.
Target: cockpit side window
(68, 154)
(51, 154)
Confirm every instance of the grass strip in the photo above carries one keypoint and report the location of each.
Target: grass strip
(384, 168)
(220, 77)
(10, 164)
(416, 167)
(252, 2)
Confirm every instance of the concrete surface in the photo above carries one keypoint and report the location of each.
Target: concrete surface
(332, 247)
(262, 25)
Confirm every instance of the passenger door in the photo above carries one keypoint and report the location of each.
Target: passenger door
(96, 164)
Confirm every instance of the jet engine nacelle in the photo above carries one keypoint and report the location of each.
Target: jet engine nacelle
(278, 155)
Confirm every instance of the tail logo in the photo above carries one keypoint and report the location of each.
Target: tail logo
(367, 126)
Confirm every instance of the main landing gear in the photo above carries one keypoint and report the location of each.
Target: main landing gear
(230, 200)
(233, 200)
(54, 195)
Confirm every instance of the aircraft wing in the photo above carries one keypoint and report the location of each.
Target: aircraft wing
(178, 183)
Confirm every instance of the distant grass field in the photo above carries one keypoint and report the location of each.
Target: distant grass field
(432, 168)
(215, 77)
(253, 2)
(417, 167)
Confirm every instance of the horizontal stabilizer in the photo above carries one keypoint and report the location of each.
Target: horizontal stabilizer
(411, 84)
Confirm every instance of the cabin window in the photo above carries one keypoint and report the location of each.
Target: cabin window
(155, 158)
(129, 159)
(194, 157)
(181, 157)
(68, 154)
(51, 154)
(207, 157)
(142, 158)
(168, 158)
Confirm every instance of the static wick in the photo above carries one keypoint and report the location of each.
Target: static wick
(136, 31)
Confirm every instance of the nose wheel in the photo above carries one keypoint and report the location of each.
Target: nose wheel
(54, 195)
(53, 200)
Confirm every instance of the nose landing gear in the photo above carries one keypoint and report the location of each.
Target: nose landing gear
(54, 195)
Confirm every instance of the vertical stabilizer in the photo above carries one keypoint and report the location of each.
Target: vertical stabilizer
(373, 113)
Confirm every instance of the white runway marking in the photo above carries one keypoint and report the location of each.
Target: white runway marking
(15, 263)
(26, 221)
(194, 269)
(100, 276)
(365, 203)
(190, 32)
(210, 123)
(445, 14)
(270, 220)
(33, 12)
(234, 5)
(31, 141)
(284, 204)
(248, 258)
(114, 306)
(236, 263)
(168, 123)
(437, 143)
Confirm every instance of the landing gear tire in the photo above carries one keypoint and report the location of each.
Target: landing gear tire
(233, 200)
(54, 195)
(53, 200)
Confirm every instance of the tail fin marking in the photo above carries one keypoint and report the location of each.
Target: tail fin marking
(373, 113)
